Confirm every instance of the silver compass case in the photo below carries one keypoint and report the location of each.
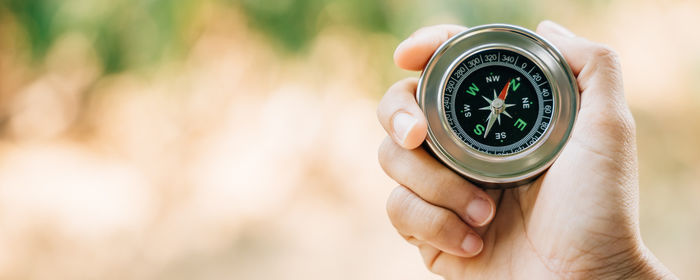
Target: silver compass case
(498, 171)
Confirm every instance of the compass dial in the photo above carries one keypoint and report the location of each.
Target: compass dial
(498, 102)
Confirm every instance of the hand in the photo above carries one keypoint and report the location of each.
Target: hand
(577, 220)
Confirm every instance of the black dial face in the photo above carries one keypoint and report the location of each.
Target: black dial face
(498, 102)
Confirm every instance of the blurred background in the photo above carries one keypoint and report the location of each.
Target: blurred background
(224, 139)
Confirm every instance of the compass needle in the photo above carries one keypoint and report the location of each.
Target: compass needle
(492, 119)
(504, 92)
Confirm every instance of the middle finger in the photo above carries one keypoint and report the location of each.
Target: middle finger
(435, 183)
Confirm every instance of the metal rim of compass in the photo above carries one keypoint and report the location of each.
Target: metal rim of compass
(491, 171)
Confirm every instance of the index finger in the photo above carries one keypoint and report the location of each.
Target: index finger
(414, 52)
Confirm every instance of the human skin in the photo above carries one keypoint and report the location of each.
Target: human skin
(578, 220)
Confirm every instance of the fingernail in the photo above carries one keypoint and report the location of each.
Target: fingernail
(472, 244)
(559, 29)
(479, 210)
(403, 123)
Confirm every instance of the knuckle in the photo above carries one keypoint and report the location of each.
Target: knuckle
(434, 194)
(383, 109)
(409, 82)
(411, 239)
(393, 99)
(395, 205)
(429, 259)
(602, 50)
(441, 189)
(438, 225)
(406, 84)
(397, 85)
(384, 106)
(605, 55)
(602, 68)
(617, 126)
(625, 121)
(619, 119)
(385, 152)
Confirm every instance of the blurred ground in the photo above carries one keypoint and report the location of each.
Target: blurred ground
(243, 154)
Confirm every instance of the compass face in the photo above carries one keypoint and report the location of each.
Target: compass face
(498, 102)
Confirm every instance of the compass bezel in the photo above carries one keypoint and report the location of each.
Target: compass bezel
(496, 171)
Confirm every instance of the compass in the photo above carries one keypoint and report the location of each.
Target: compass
(500, 102)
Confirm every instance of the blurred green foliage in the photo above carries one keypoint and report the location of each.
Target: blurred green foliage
(294, 23)
(126, 33)
(134, 33)
(36, 17)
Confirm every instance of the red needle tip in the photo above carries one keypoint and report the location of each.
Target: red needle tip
(504, 92)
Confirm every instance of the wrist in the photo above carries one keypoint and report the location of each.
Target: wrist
(641, 264)
(649, 267)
